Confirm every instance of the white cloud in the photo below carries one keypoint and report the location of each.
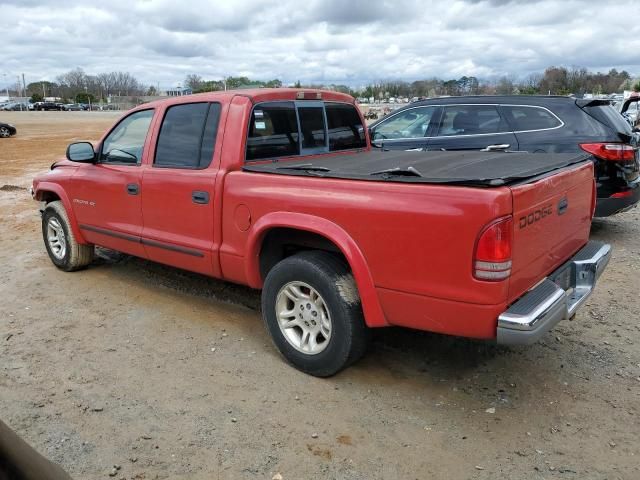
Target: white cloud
(319, 41)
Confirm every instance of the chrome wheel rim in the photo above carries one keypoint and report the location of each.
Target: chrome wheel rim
(4, 132)
(56, 239)
(303, 318)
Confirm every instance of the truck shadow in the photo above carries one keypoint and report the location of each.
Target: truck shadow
(402, 351)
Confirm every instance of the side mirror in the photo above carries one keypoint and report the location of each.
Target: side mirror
(377, 139)
(81, 152)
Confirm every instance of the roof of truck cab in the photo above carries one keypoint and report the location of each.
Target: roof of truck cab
(256, 95)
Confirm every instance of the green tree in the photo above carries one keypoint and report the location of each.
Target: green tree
(35, 97)
(636, 86)
(84, 97)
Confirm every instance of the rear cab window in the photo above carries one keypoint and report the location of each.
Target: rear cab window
(286, 129)
(525, 118)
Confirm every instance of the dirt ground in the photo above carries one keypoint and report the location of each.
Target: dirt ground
(167, 374)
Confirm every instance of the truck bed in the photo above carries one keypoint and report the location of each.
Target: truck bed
(470, 168)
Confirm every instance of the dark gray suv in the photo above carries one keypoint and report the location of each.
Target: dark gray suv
(525, 123)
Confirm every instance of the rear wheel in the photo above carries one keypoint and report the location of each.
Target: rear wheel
(63, 249)
(4, 132)
(311, 307)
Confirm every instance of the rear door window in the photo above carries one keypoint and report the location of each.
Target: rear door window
(525, 117)
(187, 136)
(471, 120)
(273, 131)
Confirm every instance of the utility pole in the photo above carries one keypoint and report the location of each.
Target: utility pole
(6, 87)
(20, 92)
(44, 92)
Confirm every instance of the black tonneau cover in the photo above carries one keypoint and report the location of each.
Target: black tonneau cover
(471, 168)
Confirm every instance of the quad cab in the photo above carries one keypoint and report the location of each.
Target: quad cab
(279, 189)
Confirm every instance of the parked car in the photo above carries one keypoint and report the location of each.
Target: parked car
(15, 107)
(48, 106)
(7, 130)
(73, 107)
(525, 123)
(340, 238)
(630, 110)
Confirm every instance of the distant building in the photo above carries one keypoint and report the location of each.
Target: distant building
(178, 92)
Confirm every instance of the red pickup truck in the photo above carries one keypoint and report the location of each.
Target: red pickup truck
(278, 189)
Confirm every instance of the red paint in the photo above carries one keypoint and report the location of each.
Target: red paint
(410, 247)
(624, 194)
(610, 151)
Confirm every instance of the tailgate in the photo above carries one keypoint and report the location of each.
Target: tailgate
(551, 221)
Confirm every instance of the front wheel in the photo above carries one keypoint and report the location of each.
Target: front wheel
(311, 307)
(64, 250)
(4, 132)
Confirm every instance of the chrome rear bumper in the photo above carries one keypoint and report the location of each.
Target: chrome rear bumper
(555, 298)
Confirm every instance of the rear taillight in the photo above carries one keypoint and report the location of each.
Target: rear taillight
(625, 194)
(594, 195)
(610, 151)
(492, 257)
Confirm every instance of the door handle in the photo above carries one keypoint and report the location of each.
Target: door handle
(133, 189)
(200, 197)
(493, 148)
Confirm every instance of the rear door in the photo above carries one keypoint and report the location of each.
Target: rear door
(473, 127)
(177, 188)
(407, 129)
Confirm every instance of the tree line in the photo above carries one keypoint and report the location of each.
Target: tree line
(553, 81)
(78, 86)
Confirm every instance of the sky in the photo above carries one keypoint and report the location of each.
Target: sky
(351, 42)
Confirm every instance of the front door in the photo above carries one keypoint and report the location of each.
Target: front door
(106, 195)
(473, 127)
(178, 188)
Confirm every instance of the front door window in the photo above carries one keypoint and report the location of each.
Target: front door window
(125, 143)
(411, 123)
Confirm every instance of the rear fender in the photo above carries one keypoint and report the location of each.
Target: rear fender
(374, 316)
(39, 194)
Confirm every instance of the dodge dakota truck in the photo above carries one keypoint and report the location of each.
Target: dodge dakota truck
(279, 189)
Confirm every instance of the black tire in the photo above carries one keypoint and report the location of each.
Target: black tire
(76, 256)
(332, 279)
